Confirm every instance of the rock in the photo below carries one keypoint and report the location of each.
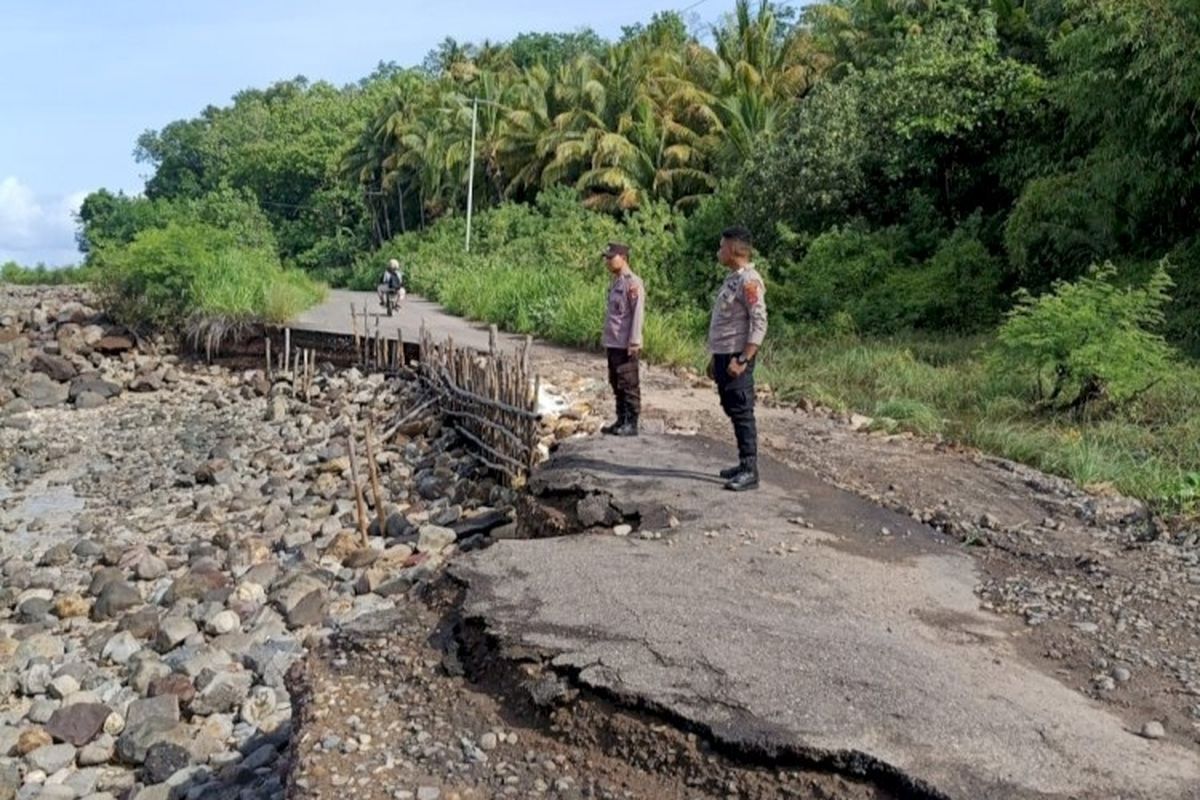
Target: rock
(51, 758)
(397, 525)
(100, 751)
(150, 568)
(259, 707)
(10, 780)
(344, 544)
(33, 610)
(56, 556)
(215, 472)
(434, 539)
(1153, 730)
(195, 584)
(36, 679)
(488, 742)
(78, 724)
(113, 344)
(101, 578)
(92, 383)
(146, 382)
(63, 686)
(55, 367)
(1122, 675)
(89, 400)
(41, 709)
(41, 391)
(301, 598)
(172, 632)
(277, 409)
(175, 684)
(222, 622)
(220, 692)
(137, 739)
(40, 645)
(271, 659)
(622, 530)
(163, 760)
(428, 793)
(120, 647)
(31, 739)
(143, 623)
(163, 708)
(116, 598)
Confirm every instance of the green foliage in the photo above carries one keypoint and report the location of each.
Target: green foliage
(1087, 341)
(166, 277)
(41, 275)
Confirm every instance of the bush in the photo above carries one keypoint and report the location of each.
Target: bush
(1087, 341)
(41, 275)
(167, 277)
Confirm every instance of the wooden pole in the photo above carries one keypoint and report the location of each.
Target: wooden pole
(354, 328)
(287, 347)
(374, 470)
(359, 505)
(268, 358)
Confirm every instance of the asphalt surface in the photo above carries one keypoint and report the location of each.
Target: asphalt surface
(333, 316)
(788, 622)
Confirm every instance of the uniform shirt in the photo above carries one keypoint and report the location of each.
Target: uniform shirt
(626, 310)
(739, 314)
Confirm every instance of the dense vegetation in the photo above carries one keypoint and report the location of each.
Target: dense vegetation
(920, 174)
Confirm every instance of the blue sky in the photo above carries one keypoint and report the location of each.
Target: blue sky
(81, 80)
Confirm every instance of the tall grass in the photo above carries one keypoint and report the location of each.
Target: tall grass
(41, 275)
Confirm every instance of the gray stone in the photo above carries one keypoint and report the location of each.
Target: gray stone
(434, 539)
(150, 567)
(163, 760)
(10, 780)
(220, 692)
(222, 622)
(55, 367)
(121, 647)
(92, 383)
(1154, 730)
(428, 793)
(271, 659)
(163, 708)
(103, 576)
(62, 686)
(78, 724)
(40, 645)
(40, 710)
(114, 599)
(83, 782)
(51, 758)
(36, 679)
(99, 751)
(41, 391)
(172, 631)
(137, 739)
(33, 610)
(9, 735)
(86, 401)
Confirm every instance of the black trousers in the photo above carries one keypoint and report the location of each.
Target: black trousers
(624, 377)
(737, 401)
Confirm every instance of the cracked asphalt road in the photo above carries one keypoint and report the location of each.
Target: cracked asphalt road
(834, 641)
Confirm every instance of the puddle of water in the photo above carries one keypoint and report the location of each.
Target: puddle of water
(56, 506)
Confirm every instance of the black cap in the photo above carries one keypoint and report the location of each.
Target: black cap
(616, 249)
(738, 233)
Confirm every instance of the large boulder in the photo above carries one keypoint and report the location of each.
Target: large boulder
(56, 367)
(41, 391)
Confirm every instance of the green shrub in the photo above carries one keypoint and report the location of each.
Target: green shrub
(167, 277)
(1087, 341)
(41, 275)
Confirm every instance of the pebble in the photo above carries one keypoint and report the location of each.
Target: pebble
(1153, 730)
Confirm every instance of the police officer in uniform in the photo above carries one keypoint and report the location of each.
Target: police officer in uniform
(737, 329)
(623, 339)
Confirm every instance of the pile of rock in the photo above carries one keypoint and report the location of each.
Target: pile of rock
(145, 639)
(56, 349)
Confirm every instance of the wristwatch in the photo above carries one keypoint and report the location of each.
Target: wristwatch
(741, 359)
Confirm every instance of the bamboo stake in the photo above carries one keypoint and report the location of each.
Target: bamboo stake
(359, 505)
(287, 346)
(374, 469)
(268, 358)
(354, 329)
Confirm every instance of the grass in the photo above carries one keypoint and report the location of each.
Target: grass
(41, 275)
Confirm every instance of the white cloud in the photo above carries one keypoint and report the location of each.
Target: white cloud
(37, 229)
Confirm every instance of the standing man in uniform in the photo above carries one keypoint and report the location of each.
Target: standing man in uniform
(623, 339)
(737, 329)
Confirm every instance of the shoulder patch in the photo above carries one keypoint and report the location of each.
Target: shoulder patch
(753, 291)
(633, 289)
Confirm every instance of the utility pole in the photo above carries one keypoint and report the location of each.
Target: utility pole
(471, 175)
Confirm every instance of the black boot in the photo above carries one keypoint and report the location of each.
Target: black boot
(611, 428)
(746, 478)
(729, 472)
(629, 427)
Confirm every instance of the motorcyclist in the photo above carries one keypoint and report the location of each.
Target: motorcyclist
(392, 282)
